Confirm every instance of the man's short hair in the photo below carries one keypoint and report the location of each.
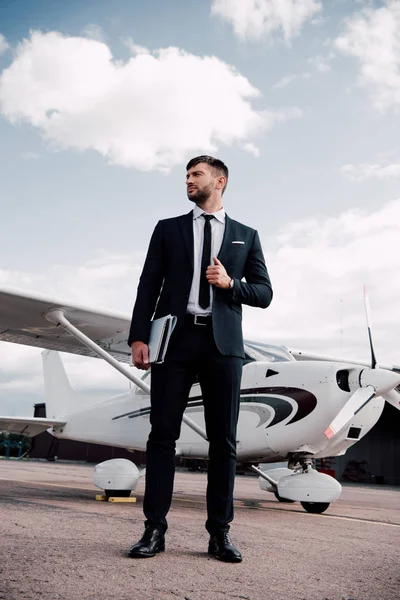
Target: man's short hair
(215, 163)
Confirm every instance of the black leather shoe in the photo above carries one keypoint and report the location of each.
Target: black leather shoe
(221, 547)
(153, 541)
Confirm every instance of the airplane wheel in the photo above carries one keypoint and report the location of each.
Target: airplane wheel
(117, 493)
(278, 497)
(315, 507)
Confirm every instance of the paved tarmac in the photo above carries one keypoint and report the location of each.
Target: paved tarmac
(57, 542)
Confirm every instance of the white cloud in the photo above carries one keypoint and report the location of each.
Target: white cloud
(266, 19)
(18, 371)
(149, 112)
(318, 63)
(288, 79)
(322, 63)
(363, 171)
(318, 21)
(93, 32)
(252, 149)
(282, 115)
(373, 37)
(318, 267)
(30, 155)
(135, 48)
(3, 44)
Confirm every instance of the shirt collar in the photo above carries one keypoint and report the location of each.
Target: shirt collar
(219, 215)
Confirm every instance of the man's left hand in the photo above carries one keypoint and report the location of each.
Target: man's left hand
(216, 275)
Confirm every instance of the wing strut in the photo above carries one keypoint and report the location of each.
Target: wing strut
(57, 317)
(265, 476)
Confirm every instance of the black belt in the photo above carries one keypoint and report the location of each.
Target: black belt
(202, 320)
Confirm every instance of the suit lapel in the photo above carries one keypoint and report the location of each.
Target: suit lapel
(186, 227)
(226, 240)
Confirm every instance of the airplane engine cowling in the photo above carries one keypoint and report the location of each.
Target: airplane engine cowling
(309, 486)
(116, 474)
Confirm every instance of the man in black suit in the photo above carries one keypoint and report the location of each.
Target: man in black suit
(194, 270)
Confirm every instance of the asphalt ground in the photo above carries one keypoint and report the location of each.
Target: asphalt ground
(58, 542)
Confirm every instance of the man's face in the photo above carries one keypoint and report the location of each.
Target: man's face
(200, 182)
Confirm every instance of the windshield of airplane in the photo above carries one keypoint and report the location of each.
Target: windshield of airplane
(267, 352)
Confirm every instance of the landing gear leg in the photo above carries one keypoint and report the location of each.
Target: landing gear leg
(301, 462)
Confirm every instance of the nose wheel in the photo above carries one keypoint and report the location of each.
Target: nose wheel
(300, 482)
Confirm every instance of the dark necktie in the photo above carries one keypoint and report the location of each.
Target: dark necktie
(204, 292)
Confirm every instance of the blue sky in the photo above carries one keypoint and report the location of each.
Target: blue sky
(101, 106)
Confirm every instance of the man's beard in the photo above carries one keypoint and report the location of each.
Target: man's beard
(201, 196)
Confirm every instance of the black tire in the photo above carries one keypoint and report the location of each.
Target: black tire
(117, 493)
(280, 499)
(315, 507)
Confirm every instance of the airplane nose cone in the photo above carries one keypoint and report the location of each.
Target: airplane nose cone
(381, 379)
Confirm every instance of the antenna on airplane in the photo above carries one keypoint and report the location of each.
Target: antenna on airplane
(368, 316)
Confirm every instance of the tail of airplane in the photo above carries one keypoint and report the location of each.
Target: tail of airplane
(61, 399)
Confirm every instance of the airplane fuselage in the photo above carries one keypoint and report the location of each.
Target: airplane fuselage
(285, 408)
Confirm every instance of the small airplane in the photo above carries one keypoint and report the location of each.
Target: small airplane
(294, 406)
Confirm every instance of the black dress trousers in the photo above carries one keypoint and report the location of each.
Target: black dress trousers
(193, 354)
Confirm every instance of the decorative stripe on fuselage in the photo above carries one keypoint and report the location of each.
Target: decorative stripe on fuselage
(306, 402)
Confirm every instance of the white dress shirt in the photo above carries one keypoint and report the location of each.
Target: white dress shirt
(217, 234)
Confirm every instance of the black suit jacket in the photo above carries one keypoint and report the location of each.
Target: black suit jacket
(167, 275)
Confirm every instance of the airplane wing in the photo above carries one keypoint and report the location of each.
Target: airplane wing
(27, 426)
(306, 355)
(22, 321)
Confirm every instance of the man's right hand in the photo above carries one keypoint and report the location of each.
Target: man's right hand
(140, 355)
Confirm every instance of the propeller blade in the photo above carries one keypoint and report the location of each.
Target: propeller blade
(357, 401)
(393, 398)
(368, 315)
